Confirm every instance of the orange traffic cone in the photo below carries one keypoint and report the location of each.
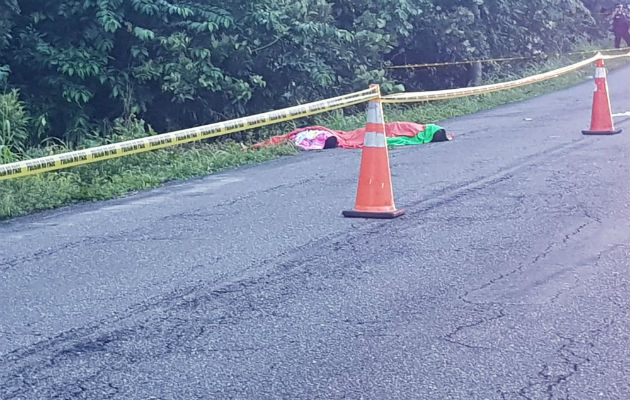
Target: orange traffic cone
(375, 197)
(601, 118)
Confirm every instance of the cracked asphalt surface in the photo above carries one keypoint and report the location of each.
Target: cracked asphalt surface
(508, 278)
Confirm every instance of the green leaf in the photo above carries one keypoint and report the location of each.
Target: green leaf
(143, 34)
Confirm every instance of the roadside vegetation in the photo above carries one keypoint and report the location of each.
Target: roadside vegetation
(120, 176)
(130, 69)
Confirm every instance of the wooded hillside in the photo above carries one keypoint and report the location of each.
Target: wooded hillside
(78, 66)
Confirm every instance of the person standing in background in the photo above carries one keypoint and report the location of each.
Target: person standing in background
(620, 21)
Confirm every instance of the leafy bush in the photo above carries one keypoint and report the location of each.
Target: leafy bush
(80, 65)
(455, 30)
(14, 122)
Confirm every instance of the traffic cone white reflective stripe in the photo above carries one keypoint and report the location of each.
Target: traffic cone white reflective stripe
(374, 113)
(373, 139)
(600, 73)
(375, 127)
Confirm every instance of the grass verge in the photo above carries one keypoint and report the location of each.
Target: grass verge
(116, 177)
(113, 178)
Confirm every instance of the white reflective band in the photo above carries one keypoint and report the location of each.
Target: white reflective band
(600, 72)
(373, 139)
(373, 114)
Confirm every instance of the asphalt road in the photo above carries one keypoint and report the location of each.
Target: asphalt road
(508, 278)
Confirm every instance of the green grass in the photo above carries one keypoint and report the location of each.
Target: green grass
(117, 177)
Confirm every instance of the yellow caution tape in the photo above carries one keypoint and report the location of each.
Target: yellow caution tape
(491, 60)
(469, 91)
(100, 153)
(612, 57)
(449, 63)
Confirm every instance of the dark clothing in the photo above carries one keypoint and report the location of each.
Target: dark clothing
(620, 22)
(621, 28)
(625, 36)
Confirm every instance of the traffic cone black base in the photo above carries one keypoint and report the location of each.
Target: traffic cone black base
(377, 215)
(616, 131)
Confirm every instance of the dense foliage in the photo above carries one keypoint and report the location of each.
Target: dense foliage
(83, 66)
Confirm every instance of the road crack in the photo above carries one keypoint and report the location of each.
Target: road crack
(452, 336)
(549, 382)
